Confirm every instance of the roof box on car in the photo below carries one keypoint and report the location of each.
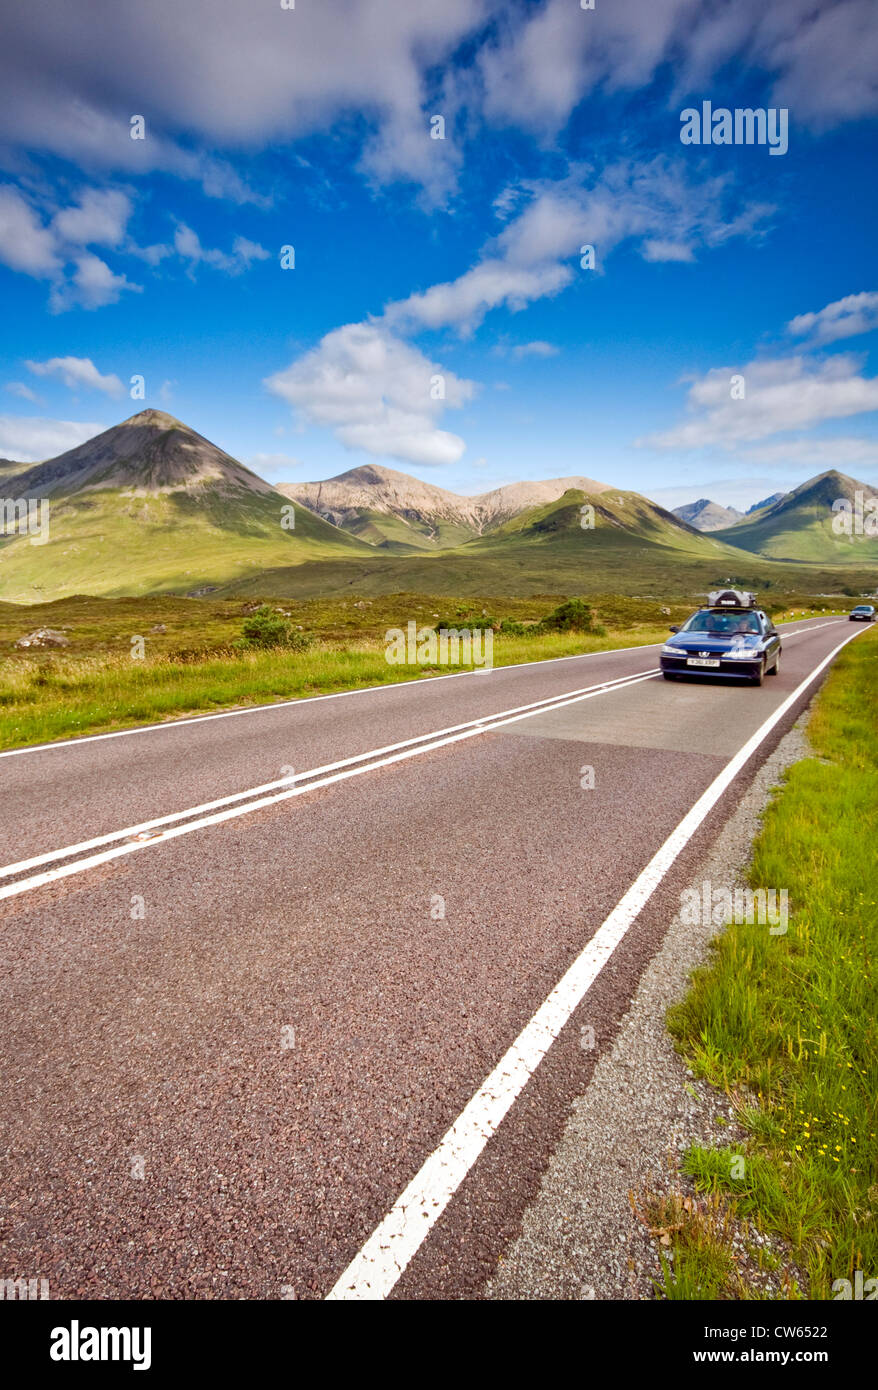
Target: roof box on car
(731, 598)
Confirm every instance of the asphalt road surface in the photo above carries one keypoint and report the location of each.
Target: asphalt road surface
(320, 1038)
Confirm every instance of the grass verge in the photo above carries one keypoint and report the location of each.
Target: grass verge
(190, 664)
(786, 1023)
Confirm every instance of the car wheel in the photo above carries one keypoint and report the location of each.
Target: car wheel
(776, 667)
(669, 675)
(760, 675)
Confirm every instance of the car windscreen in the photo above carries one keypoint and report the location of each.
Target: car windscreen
(721, 624)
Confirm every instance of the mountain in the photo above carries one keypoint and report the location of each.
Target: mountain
(766, 502)
(400, 514)
(635, 547)
(705, 515)
(151, 505)
(798, 525)
(387, 508)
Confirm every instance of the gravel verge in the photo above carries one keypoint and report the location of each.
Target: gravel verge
(580, 1238)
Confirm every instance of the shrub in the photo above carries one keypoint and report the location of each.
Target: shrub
(265, 628)
(471, 624)
(574, 615)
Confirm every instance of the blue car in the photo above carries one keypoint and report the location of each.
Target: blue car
(731, 638)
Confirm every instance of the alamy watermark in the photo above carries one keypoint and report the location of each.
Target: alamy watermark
(710, 906)
(744, 126)
(18, 1290)
(855, 518)
(25, 516)
(444, 646)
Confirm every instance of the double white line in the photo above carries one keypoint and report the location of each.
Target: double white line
(160, 830)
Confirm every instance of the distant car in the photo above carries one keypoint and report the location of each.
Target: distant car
(731, 638)
(863, 613)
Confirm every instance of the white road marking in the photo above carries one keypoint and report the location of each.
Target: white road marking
(425, 744)
(373, 1272)
(315, 699)
(311, 700)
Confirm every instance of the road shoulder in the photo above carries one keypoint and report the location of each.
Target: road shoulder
(580, 1237)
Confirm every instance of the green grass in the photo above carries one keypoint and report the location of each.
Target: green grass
(110, 542)
(786, 1024)
(94, 685)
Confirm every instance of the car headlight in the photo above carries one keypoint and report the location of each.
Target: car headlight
(741, 654)
(669, 650)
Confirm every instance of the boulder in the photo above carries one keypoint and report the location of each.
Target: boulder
(43, 637)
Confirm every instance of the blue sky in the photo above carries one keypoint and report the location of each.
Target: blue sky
(438, 319)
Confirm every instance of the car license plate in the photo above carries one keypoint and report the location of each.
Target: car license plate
(702, 661)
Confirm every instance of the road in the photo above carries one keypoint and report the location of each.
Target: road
(320, 1038)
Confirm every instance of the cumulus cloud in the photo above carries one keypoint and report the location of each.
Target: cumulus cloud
(57, 250)
(376, 393)
(372, 388)
(465, 301)
(30, 439)
(845, 318)
(76, 372)
(834, 451)
(792, 393)
(537, 348)
(99, 218)
(822, 59)
(91, 285)
(57, 247)
(25, 244)
(218, 74)
(20, 388)
(658, 250)
(536, 254)
(188, 246)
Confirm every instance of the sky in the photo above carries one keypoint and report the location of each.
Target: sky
(327, 233)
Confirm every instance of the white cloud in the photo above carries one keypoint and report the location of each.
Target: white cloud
(845, 318)
(823, 58)
(376, 393)
(222, 75)
(30, 439)
(657, 250)
(25, 244)
(465, 301)
(792, 393)
(45, 251)
(248, 251)
(537, 253)
(92, 285)
(229, 76)
(18, 388)
(538, 348)
(57, 250)
(98, 219)
(188, 246)
(76, 372)
(835, 451)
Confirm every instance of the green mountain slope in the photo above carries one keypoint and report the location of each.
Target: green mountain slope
(150, 506)
(635, 547)
(403, 515)
(799, 525)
